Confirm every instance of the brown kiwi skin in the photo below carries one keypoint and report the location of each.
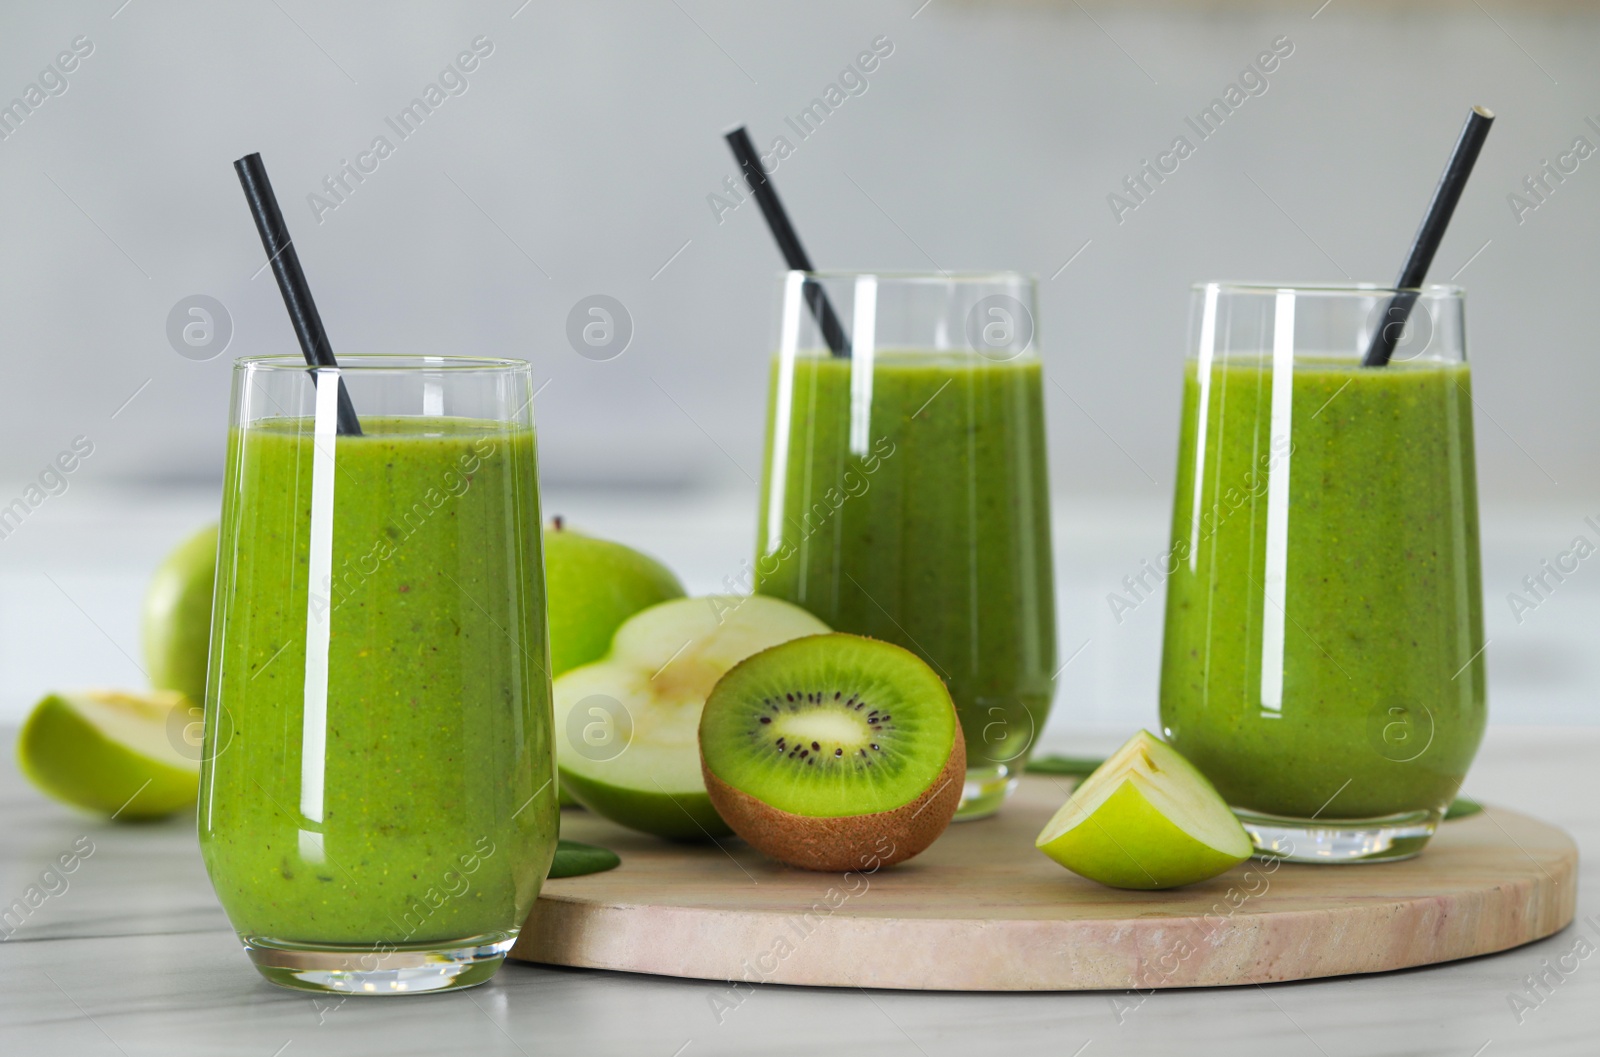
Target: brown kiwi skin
(850, 842)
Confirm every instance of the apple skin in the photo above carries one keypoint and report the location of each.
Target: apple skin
(688, 817)
(591, 587)
(1130, 844)
(177, 616)
(1131, 838)
(74, 761)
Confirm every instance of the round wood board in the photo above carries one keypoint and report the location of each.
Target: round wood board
(982, 910)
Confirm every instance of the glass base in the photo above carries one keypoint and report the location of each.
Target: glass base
(380, 968)
(985, 790)
(1339, 840)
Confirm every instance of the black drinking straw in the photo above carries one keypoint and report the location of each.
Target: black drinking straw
(291, 280)
(794, 254)
(1429, 235)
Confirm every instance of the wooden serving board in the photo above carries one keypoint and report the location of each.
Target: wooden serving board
(983, 911)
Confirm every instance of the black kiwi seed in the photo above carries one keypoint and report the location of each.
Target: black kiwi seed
(797, 702)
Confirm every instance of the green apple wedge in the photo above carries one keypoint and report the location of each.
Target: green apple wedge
(111, 752)
(177, 616)
(1146, 818)
(627, 726)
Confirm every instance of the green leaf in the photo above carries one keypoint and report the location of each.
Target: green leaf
(1074, 766)
(1462, 807)
(574, 859)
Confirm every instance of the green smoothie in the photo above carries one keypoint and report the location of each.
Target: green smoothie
(1326, 657)
(922, 519)
(420, 809)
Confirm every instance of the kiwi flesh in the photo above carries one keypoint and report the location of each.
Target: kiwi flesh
(833, 752)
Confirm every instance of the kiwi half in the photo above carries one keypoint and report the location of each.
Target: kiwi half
(833, 752)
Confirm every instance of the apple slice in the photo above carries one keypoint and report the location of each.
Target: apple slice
(1146, 818)
(111, 752)
(627, 726)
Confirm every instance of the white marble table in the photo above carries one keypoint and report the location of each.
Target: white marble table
(135, 958)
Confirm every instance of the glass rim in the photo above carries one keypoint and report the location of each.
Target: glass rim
(1443, 290)
(950, 278)
(371, 362)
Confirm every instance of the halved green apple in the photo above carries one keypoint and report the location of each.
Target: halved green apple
(1146, 818)
(627, 726)
(591, 586)
(112, 752)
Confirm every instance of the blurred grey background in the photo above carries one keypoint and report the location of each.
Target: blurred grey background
(577, 152)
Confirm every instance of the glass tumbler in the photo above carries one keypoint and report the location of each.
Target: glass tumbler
(1323, 660)
(377, 809)
(905, 492)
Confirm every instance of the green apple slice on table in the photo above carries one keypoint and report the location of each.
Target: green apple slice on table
(111, 752)
(627, 727)
(1146, 818)
(177, 616)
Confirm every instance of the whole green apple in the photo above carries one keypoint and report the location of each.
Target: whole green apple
(591, 587)
(177, 616)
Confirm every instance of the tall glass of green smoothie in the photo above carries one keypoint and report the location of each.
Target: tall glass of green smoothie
(1323, 662)
(905, 493)
(377, 809)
